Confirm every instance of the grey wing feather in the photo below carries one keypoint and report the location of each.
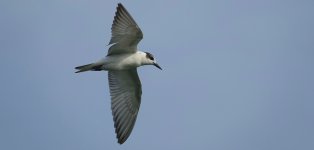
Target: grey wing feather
(125, 90)
(125, 33)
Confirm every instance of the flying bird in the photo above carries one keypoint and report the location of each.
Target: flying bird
(121, 62)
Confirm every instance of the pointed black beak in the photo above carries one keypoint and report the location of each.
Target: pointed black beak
(155, 64)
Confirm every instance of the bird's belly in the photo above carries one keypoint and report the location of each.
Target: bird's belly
(118, 66)
(121, 64)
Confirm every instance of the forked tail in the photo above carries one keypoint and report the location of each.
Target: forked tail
(88, 67)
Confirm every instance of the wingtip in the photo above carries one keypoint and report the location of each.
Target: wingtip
(120, 142)
(119, 5)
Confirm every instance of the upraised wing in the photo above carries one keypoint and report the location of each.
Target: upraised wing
(125, 33)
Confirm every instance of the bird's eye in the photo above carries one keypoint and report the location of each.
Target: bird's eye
(149, 56)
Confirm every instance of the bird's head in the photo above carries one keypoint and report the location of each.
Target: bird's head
(150, 60)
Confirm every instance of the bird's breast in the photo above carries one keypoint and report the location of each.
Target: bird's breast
(121, 62)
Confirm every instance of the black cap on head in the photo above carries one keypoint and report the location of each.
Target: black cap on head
(149, 56)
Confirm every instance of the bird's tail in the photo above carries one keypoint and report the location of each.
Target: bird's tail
(88, 67)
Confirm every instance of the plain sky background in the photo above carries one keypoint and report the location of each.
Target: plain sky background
(238, 75)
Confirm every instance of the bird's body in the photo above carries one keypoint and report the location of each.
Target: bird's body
(121, 62)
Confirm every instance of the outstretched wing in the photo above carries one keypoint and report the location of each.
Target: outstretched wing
(125, 90)
(125, 33)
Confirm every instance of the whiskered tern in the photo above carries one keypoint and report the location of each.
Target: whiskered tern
(121, 62)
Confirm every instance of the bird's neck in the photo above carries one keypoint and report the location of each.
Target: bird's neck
(142, 56)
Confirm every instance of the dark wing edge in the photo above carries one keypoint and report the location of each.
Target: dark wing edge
(123, 21)
(125, 33)
(125, 102)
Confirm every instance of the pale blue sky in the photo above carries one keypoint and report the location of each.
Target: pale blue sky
(238, 75)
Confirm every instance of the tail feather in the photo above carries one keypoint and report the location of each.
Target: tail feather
(86, 68)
